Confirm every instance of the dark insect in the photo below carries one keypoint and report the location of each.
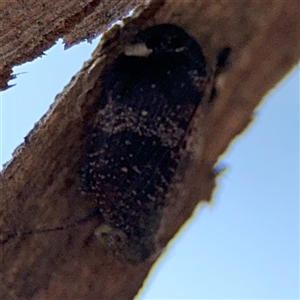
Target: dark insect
(149, 97)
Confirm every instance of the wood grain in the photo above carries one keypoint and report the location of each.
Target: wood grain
(39, 187)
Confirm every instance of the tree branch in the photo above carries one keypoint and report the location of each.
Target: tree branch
(39, 187)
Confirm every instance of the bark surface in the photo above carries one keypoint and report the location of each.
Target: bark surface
(39, 186)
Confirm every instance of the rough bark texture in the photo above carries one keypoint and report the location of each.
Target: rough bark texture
(39, 187)
(27, 28)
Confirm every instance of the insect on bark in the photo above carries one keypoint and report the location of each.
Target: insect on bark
(150, 95)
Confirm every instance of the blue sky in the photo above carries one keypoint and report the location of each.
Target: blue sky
(245, 245)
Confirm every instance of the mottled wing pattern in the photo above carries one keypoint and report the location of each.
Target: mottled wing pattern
(134, 148)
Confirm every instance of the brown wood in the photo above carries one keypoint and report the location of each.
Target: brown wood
(27, 28)
(39, 187)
